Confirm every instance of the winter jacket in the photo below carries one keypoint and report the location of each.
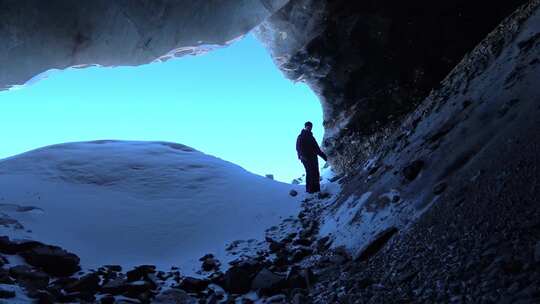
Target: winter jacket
(307, 147)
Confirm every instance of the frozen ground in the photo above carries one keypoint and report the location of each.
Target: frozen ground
(133, 203)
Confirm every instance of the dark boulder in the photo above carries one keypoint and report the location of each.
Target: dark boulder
(303, 241)
(439, 188)
(324, 243)
(113, 268)
(299, 278)
(238, 278)
(8, 246)
(140, 272)
(108, 299)
(41, 296)
(276, 246)
(537, 252)
(217, 278)
(4, 277)
(268, 283)
(87, 283)
(173, 296)
(115, 287)
(377, 244)
(138, 289)
(411, 171)
(193, 285)
(209, 263)
(6, 294)
(28, 277)
(52, 259)
(300, 253)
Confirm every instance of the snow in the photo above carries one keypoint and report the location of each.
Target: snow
(358, 220)
(20, 295)
(133, 203)
(338, 222)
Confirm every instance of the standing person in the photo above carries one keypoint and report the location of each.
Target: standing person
(308, 150)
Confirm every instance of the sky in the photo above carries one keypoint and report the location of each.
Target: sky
(232, 103)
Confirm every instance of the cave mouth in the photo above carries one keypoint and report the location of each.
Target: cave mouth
(232, 103)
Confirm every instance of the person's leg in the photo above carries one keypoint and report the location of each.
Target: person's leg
(316, 187)
(316, 180)
(308, 176)
(312, 175)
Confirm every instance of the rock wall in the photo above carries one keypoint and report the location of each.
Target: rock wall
(371, 62)
(446, 210)
(467, 132)
(41, 35)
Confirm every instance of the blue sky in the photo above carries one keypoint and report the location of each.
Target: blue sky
(232, 103)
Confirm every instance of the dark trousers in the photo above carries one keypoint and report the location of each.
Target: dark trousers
(312, 174)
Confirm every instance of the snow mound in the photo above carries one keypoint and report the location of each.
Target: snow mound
(132, 203)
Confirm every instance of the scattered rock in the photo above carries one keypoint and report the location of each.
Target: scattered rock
(377, 244)
(406, 276)
(364, 283)
(323, 195)
(299, 299)
(108, 299)
(4, 277)
(276, 246)
(300, 253)
(299, 278)
(8, 246)
(7, 294)
(238, 278)
(193, 285)
(303, 241)
(439, 188)
(537, 252)
(293, 193)
(116, 268)
(87, 283)
(140, 272)
(173, 296)
(52, 259)
(411, 171)
(324, 243)
(137, 288)
(28, 277)
(277, 299)
(115, 287)
(209, 263)
(267, 282)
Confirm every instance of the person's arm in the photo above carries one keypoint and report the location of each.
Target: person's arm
(321, 153)
(299, 148)
(318, 150)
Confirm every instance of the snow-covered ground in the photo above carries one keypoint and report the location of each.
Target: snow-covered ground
(132, 203)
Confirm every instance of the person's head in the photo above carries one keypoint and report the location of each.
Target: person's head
(308, 125)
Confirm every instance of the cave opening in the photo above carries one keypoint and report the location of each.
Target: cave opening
(232, 103)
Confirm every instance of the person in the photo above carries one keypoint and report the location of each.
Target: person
(308, 150)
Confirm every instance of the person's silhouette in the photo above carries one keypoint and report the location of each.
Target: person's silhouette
(308, 150)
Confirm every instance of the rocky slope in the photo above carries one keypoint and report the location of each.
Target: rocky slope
(451, 195)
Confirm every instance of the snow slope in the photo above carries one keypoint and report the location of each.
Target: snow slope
(133, 203)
